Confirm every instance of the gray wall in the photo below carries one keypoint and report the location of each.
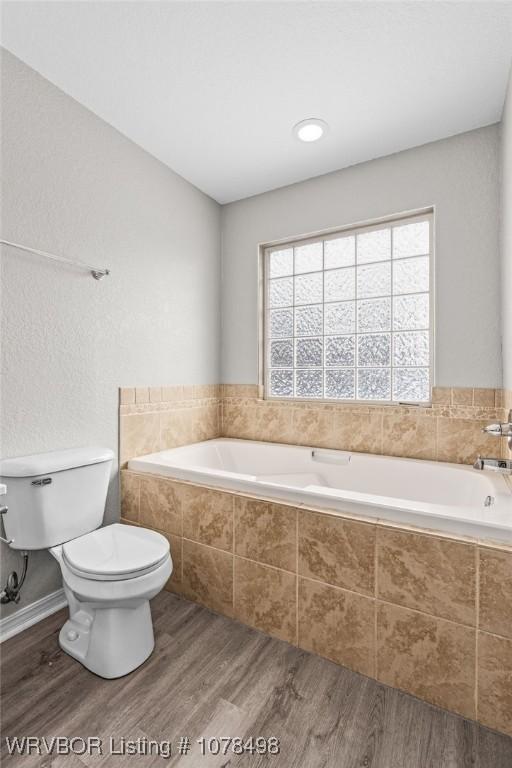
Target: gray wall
(75, 186)
(506, 235)
(458, 175)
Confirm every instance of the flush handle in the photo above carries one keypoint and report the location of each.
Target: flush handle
(42, 481)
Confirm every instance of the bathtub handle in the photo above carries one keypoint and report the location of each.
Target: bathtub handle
(331, 457)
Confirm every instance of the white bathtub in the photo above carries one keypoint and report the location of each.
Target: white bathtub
(428, 494)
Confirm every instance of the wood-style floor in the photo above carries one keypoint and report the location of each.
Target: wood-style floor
(211, 676)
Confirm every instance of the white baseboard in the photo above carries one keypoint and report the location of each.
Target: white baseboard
(31, 614)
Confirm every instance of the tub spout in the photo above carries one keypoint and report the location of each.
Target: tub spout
(495, 465)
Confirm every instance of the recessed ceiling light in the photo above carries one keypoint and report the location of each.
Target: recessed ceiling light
(311, 129)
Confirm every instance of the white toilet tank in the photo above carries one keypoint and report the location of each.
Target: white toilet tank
(54, 497)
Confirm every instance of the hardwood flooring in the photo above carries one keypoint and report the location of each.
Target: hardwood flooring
(211, 677)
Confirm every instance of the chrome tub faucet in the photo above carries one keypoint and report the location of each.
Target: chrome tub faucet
(501, 430)
(498, 430)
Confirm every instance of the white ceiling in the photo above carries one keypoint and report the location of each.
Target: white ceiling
(213, 88)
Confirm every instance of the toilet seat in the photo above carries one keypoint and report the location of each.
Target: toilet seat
(115, 553)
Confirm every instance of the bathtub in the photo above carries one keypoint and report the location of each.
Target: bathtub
(451, 498)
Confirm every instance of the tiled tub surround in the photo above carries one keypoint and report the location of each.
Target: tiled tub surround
(154, 418)
(430, 614)
(448, 430)
(427, 613)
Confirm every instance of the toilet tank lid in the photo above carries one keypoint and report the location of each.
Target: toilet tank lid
(55, 461)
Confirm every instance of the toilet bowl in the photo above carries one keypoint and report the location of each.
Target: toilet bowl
(55, 501)
(109, 577)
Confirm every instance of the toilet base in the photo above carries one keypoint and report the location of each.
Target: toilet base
(110, 641)
(109, 629)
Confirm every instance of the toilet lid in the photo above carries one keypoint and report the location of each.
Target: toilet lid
(116, 551)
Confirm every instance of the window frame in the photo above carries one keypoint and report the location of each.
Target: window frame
(264, 251)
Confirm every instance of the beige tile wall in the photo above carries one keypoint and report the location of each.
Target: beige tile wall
(448, 430)
(429, 614)
(155, 418)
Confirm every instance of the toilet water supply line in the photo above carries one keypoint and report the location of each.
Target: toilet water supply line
(11, 592)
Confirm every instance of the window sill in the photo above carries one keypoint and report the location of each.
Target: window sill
(348, 403)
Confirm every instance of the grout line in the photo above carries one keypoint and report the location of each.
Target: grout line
(180, 507)
(210, 546)
(181, 564)
(493, 634)
(422, 613)
(265, 565)
(334, 586)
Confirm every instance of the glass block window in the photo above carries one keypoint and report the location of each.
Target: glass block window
(348, 315)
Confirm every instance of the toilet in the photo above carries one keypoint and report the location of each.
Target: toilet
(56, 502)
